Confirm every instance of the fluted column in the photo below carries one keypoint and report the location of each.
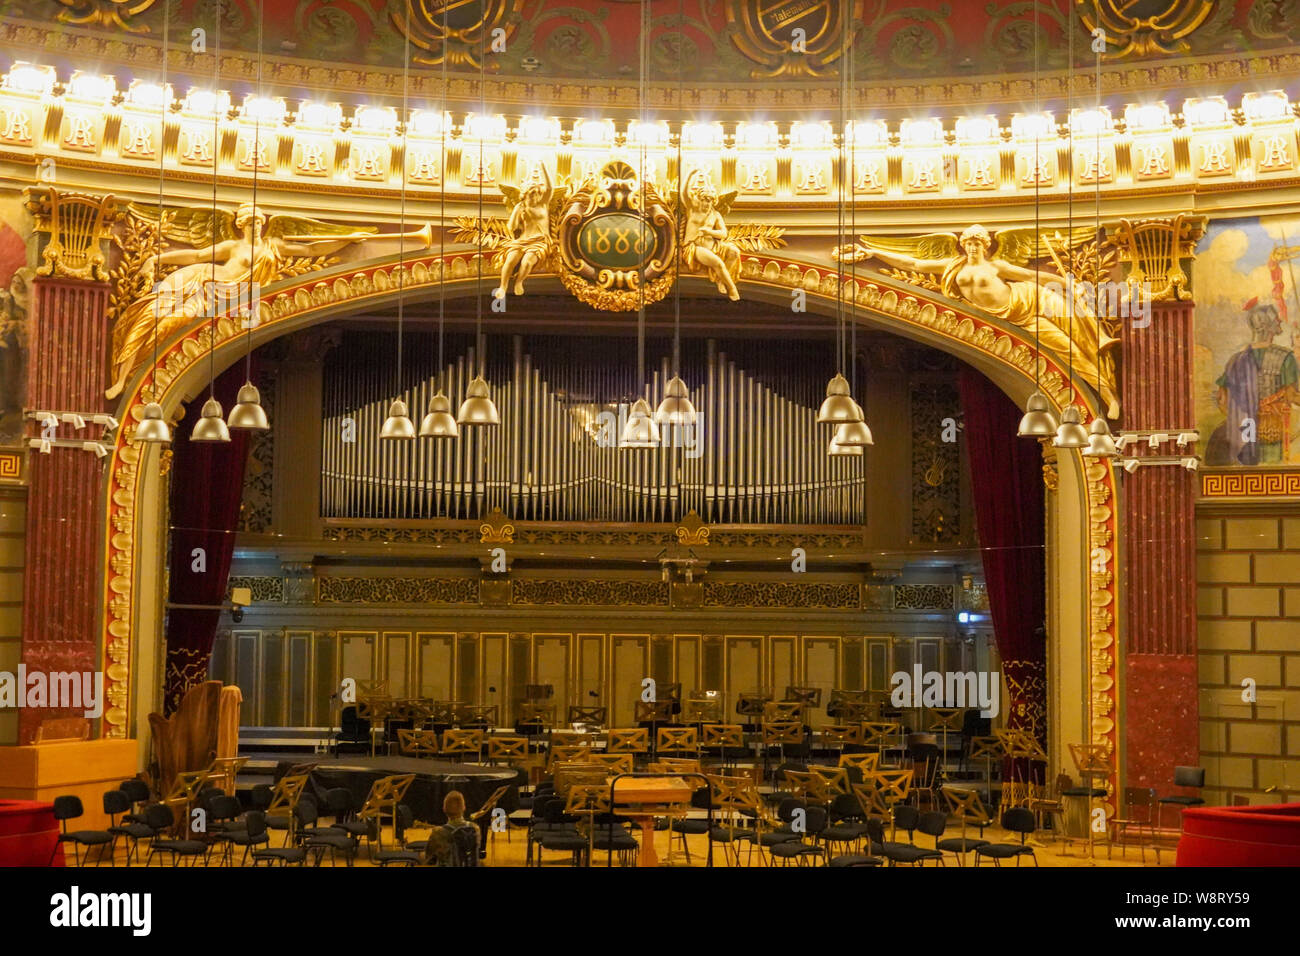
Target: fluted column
(68, 349)
(1159, 564)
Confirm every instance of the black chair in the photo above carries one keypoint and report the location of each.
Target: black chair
(406, 855)
(160, 817)
(118, 802)
(251, 833)
(1193, 777)
(354, 733)
(909, 819)
(806, 845)
(689, 826)
(335, 839)
(1017, 820)
(284, 855)
(560, 833)
(137, 791)
(613, 837)
(848, 827)
(69, 808)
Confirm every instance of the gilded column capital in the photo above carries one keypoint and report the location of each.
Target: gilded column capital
(78, 224)
(1155, 248)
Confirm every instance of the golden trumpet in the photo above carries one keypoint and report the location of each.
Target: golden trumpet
(425, 233)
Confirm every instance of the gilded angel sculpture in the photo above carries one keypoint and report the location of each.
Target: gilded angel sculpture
(530, 239)
(1004, 287)
(232, 255)
(704, 242)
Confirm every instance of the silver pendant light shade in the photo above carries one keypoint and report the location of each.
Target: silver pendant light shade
(1101, 443)
(210, 426)
(398, 425)
(640, 430)
(853, 435)
(1071, 433)
(439, 423)
(839, 405)
(478, 407)
(154, 427)
(676, 407)
(1038, 420)
(248, 413)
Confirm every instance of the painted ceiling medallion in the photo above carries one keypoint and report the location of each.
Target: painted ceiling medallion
(1144, 28)
(471, 26)
(789, 37)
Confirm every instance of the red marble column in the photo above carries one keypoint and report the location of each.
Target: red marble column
(68, 365)
(1160, 719)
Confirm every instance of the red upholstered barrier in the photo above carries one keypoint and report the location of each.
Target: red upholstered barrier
(1241, 836)
(28, 832)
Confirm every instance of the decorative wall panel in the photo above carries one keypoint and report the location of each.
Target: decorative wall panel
(385, 590)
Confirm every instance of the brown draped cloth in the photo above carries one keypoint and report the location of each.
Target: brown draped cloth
(1007, 485)
(206, 492)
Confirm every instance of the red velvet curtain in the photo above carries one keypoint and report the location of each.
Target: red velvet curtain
(206, 491)
(1007, 483)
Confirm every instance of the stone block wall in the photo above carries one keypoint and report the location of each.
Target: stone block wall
(1248, 628)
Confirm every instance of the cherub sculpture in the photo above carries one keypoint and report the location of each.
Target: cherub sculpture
(233, 255)
(704, 242)
(530, 240)
(1004, 287)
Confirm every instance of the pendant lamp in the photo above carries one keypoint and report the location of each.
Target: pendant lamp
(641, 430)
(1071, 433)
(1038, 420)
(210, 426)
(154, 428)
(438, 423)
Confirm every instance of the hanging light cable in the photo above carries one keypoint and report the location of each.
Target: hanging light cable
(211, 426)
(850, 436)
(248, 413)
(1101, 443)
(439, 423)
(1038, 420)
(676, 407)
(839, 406)
(1071, 433)
(398, 425)
(641, 430)
(153, 429)
(478, 407)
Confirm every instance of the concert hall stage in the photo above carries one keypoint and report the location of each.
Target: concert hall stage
(433, 780)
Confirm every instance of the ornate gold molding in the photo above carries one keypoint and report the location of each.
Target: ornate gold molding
(293, 301)
(107, 13)
(77, 223)
(692, 532)
(1154, 249)
(1144, 29)
(496, 528)
(1250, 483)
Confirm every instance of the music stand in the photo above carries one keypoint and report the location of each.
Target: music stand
(751, 705)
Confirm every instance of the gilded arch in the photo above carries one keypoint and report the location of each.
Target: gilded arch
(986, 342)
